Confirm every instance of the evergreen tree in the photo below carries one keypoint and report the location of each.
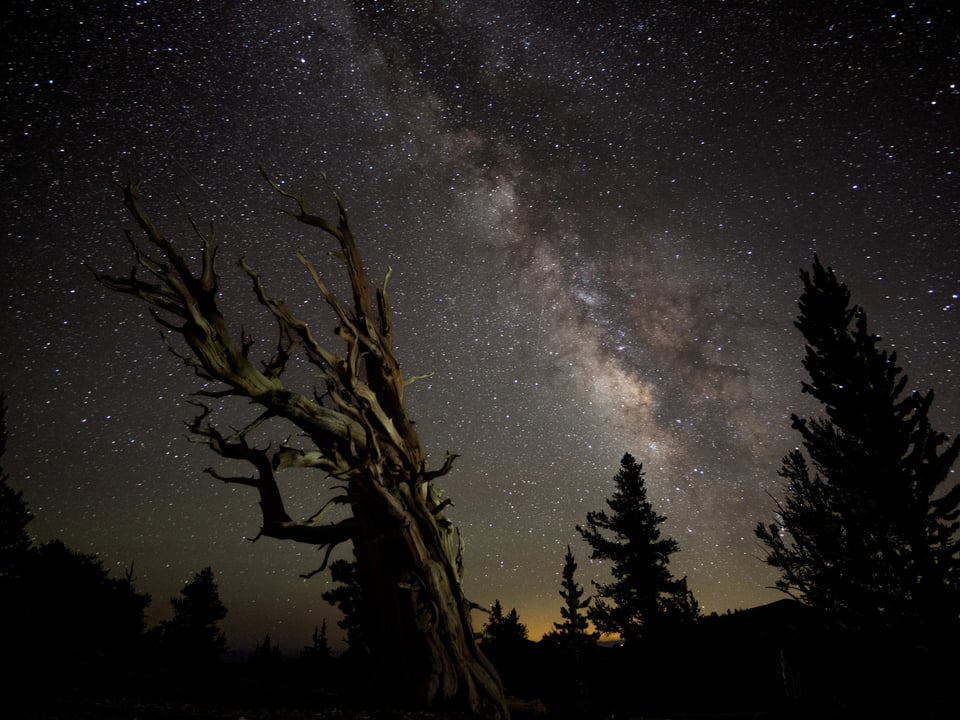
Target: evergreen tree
(318, 651)
(503, 631)
(74, 607)
(680, 605)
(15, 543)
(643, 594)
(267, 653)
(55, 600)
(504, 641)
(347, 597)
(572, 632)
(868, 529)
(192, 636)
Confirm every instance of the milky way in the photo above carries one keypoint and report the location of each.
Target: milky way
(595, 214)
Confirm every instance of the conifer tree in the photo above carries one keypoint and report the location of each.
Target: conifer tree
(15, 543)
(65, 603)
(193, 635)
(503, 631)
(103, 616)
(318, 651)
(572, 632)
(267, 653)
(643, 595)
(867, 531)
(16, 551)
(347, 597)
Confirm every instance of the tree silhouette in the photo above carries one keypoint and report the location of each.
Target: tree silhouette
(15, 515)
(351, 423)
(267, 653)
(193, 635)
(504, 640)
(572, 653)
(71, 606)
(643, 594)
(571, 632)
(347, 596)
(318, 651)
(868, 529)
(503, 630)
(57, 601)
(16, 552)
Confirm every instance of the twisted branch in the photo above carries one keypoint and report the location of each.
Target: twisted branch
(359, 426)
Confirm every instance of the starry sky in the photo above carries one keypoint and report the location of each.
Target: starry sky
(595, 213)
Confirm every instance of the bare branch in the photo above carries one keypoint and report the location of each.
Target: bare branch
(302, 215)
(337, 500)
(448, 461)
(354, 418)
(323, 565)
(413, 378)
(444, 504)
(216, 394)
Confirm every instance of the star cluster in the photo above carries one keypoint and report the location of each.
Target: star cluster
(595, 214)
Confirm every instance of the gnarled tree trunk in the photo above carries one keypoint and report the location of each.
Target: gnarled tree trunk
(408, 553)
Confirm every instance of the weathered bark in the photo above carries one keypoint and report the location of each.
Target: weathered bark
(408, 552)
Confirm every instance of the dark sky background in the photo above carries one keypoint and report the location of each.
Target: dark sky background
(595, 212)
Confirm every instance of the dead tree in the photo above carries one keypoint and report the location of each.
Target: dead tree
(355, 429)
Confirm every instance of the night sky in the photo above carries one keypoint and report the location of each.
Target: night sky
(595, 214)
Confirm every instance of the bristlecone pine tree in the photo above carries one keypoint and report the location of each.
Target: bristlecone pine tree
(868, 529)
(355, 428)
(643, 596)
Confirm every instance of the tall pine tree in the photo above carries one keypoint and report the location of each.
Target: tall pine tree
(867, 531)
(572, 632)
(643, 595)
